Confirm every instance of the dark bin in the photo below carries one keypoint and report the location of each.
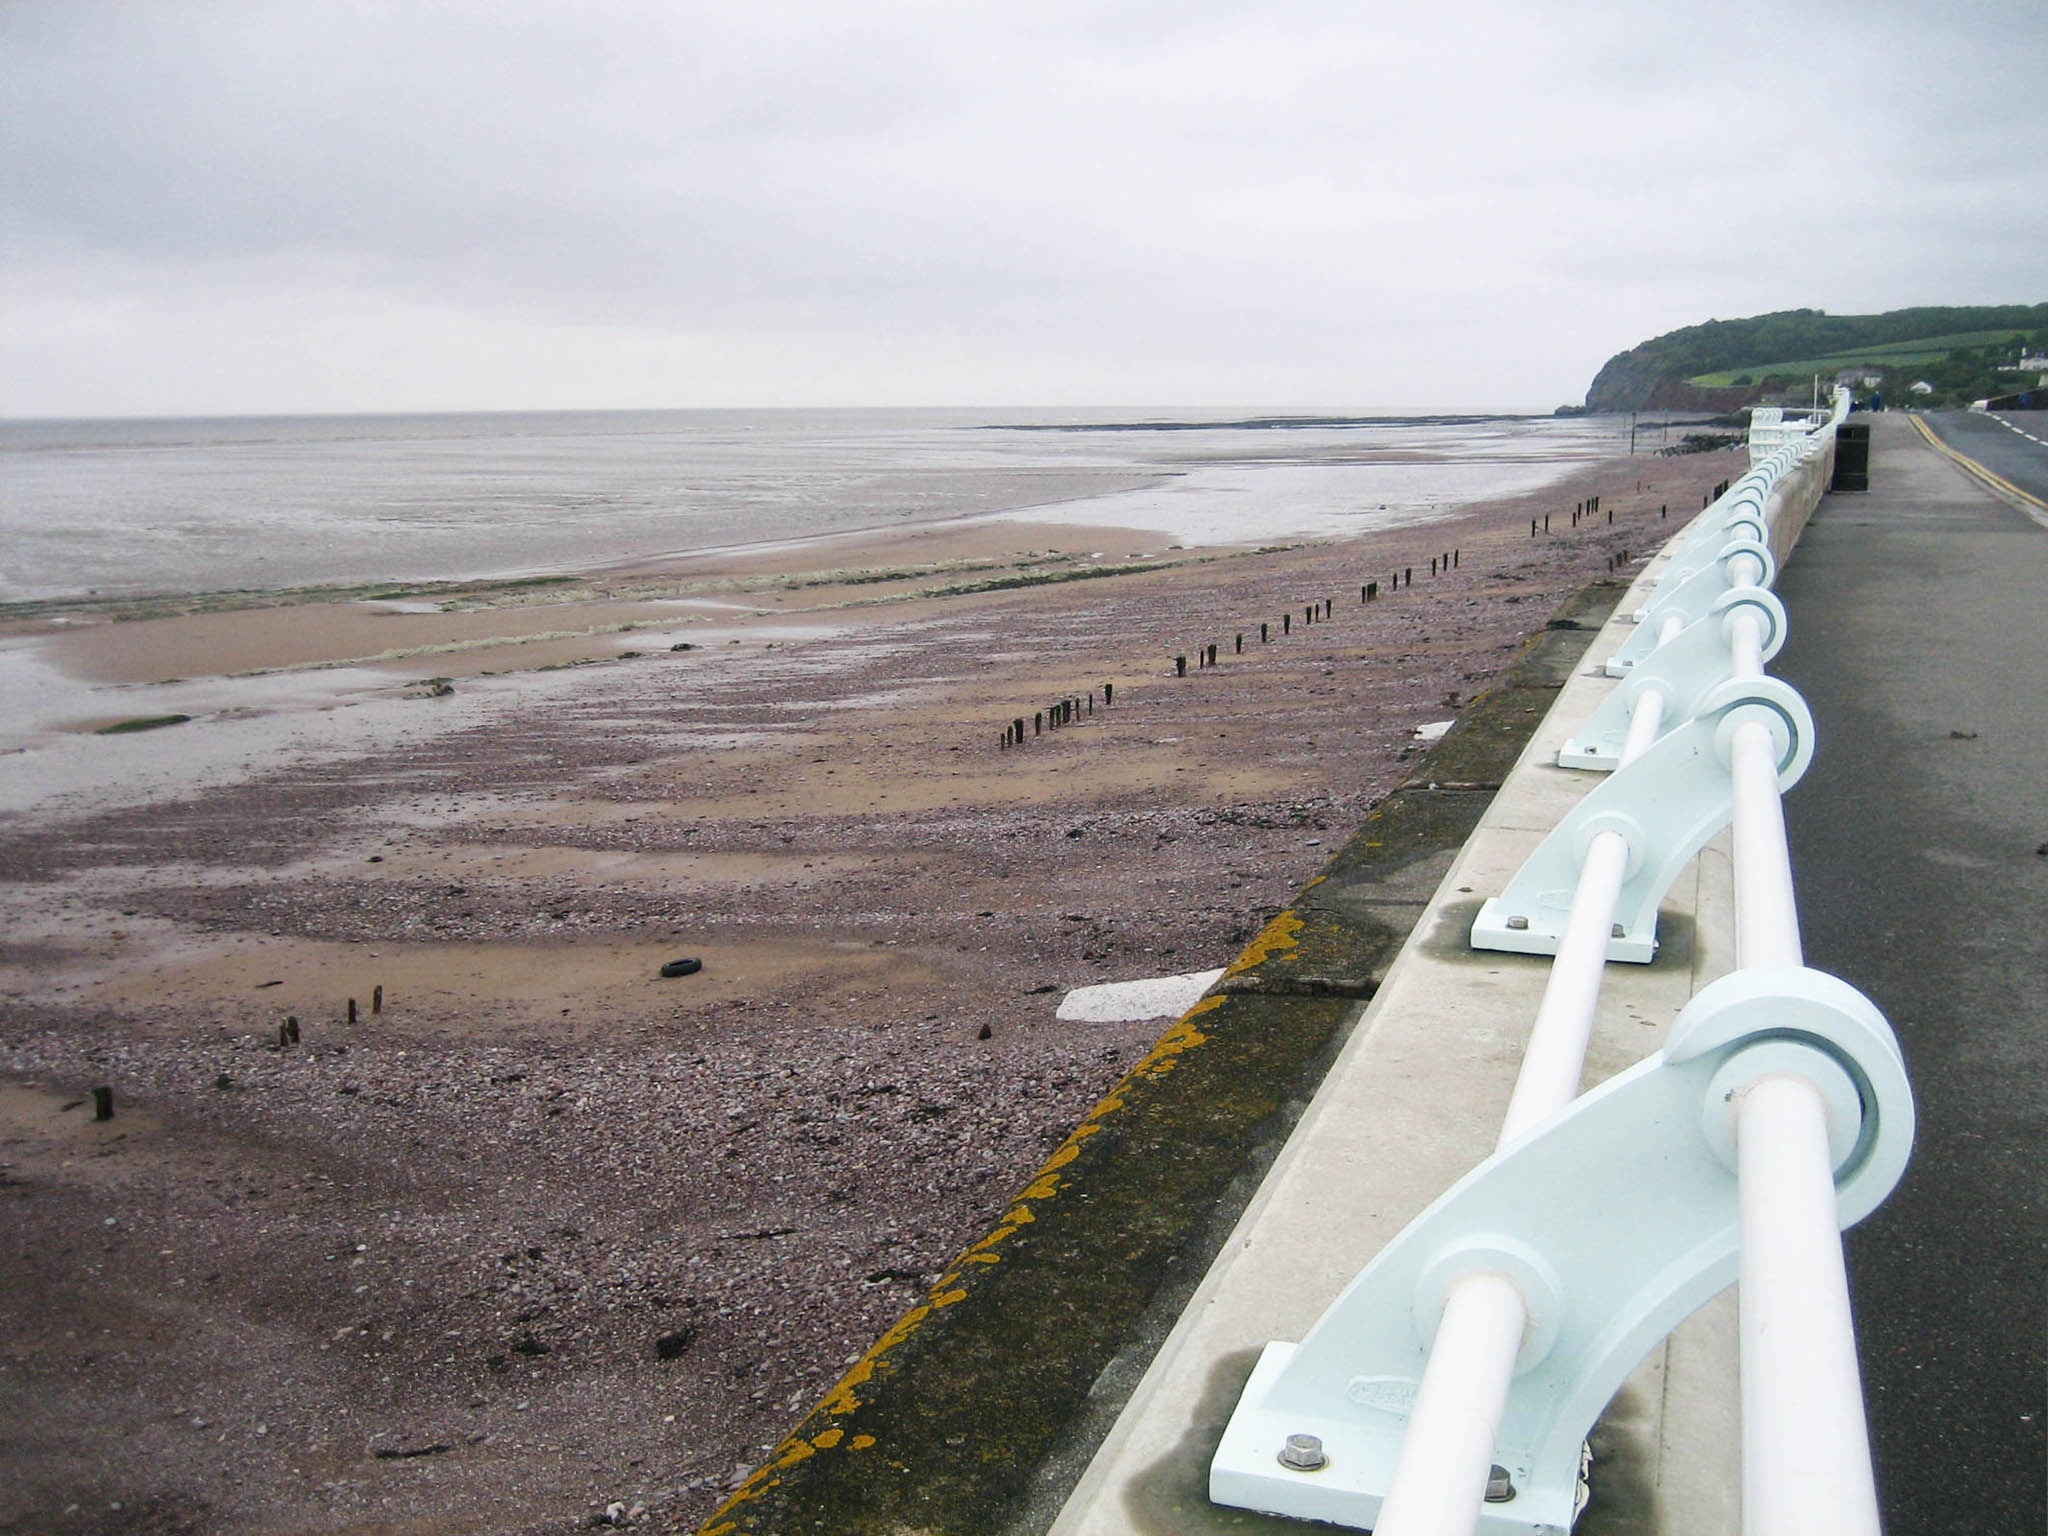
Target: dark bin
(1852, 457)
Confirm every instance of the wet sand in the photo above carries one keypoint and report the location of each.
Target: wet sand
(486, 626)
(549, 1231)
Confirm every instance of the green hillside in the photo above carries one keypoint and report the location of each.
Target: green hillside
(1897, 354)
(1725, 364)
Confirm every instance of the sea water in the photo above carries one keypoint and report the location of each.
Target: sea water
(113, 508)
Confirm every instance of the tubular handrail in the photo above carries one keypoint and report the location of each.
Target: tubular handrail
(1802, 1095)
(1460, 1390)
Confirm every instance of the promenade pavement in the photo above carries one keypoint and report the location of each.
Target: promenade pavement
(1919, 636)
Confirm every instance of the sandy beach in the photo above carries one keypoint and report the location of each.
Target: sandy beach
(534, 1231)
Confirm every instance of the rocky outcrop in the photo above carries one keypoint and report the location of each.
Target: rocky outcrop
(1626, 382)
(1640, 380)
(1677, 395)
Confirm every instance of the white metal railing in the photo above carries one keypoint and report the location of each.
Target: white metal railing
(1777, 1114)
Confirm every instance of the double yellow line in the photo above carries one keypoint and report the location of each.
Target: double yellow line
(1993, 482)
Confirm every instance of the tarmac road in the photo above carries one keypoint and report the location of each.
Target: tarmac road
(2012, 445)
(1919, 635)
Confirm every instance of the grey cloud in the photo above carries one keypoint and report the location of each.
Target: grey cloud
(1218, 186)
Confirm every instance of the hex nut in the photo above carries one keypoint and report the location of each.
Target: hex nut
(1303, 1453)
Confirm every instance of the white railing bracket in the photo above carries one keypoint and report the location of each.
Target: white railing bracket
(1667, 804)
(1684, 669)
(1692, 598)
(1613, 1221)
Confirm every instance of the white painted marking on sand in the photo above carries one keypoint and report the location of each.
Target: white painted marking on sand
(1433, 731)
(1123, 1002)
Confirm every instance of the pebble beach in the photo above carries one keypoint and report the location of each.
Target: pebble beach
(505, 1231)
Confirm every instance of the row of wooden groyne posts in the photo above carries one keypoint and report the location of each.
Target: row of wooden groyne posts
(1069, 709)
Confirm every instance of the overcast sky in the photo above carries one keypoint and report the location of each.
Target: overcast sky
(296, 206)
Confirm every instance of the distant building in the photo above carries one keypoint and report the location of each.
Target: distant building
(1860, 378)
(1921, 387)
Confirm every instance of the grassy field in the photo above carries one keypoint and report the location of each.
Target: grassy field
(1897, 354)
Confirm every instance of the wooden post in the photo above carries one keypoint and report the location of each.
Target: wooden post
(1180, 666)
(1262, 633)
(1371, 590)
(1212, 655)
(1457, 557)
(1240, 643)
(103, 1103)
(291, 1028)
(1038, 722)
(377, 998)
(351, 1010)
(1108, 690)
(1286, 623)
